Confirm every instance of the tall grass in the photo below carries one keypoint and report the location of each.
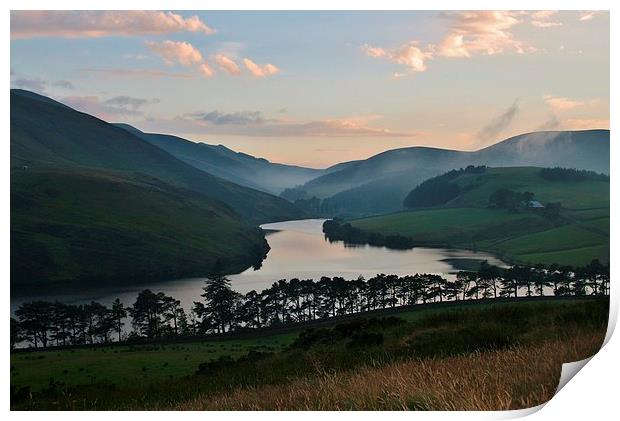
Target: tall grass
(513, 378)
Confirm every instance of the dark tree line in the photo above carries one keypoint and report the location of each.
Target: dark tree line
(221, 309)
(439, 190)
(571, 174)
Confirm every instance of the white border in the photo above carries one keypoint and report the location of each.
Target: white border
(591, 394)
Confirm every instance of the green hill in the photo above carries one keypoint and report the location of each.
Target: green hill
(91, 202)
(576, 234)
(47, 133)
(95, 226)
(380, 183)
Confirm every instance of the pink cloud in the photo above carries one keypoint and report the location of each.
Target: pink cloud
(176, 52)
(206, 70)
(480, 32)
(588, 15)
(545, 19)
(260, 70)
(560, 104)
(469, 34)
(90, 24)
(409, 55)
(227, 64)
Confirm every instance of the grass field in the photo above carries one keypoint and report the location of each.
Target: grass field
(129, 365)
(432, 353)
(578, 235)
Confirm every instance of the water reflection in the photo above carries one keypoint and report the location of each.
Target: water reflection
(298, 250)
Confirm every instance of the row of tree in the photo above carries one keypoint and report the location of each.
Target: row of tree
(221, 309)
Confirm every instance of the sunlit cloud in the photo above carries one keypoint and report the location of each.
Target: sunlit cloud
(589, 15)
(206, 70)
(227, 64)
(92, 24)
(409, 55)
(260, 70)
(468, 34)
(545, 19)
(480, 32)
(172, 52)
(559, 104)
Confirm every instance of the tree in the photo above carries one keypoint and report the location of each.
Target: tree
(16, 332)
(146, 313)
(36, 320)
(118, 313)
(219, 302)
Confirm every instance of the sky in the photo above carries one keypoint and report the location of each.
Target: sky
(318, 88)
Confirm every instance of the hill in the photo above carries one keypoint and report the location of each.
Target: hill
(574, 233)
(95, 226)
(384, 180)
(47, 133)
(238, 167)
(91, 202)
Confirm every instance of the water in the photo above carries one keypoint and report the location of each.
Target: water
(298, 250)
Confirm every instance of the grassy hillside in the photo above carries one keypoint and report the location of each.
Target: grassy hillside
(577, 235)
(444, 357)
(384, 180)
(44, 132)
(96, 226)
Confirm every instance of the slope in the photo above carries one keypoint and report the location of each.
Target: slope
(576, 234)
(47, 133)
(83, 226)
(238, 167)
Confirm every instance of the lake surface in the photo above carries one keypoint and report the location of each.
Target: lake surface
(299, 249)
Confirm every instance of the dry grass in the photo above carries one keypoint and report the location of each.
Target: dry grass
(507, 379)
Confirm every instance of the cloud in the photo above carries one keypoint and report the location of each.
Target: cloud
(227, 64)
(260, 70)
(499, 123)
(92, 24)
(172, 52)
(559, 104)
(254, 123)
(64, 84)
(410, 55)
(125, 101)
(136, 73)
(235, 118)
(545, 19)
(468, 34)
(588, 15)
(371, 51)
(36, 84)
(479, 32)
(118, 107)
(206, 70)
(31, 84)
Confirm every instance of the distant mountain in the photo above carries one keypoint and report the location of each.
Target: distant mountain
(238, 167)
(380, 183)
(45, 132)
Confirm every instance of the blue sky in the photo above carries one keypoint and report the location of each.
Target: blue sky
(316, 88)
